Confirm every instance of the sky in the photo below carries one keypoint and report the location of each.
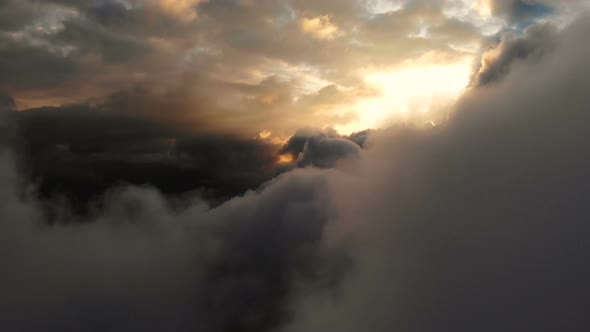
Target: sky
(294, 165)
(252, 66)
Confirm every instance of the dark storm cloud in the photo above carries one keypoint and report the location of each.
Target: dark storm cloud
(226, 153)
(496, 62)
(87, 124)
(81, 151)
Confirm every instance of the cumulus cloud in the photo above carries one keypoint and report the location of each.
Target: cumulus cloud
(323, 148)
(511, 49)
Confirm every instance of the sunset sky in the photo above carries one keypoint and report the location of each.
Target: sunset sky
(250, 66)
(294, 165)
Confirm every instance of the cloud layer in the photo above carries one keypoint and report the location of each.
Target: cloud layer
(230, 64)
(475, 224)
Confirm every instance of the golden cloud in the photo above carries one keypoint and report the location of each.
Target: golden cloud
(320, 27)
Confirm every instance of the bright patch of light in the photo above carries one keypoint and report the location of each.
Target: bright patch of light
(409, 93)
(264, 134)
(285, 158)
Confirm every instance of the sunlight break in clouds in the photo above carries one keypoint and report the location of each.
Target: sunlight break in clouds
(410, 94)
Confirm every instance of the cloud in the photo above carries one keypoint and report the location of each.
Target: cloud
(511, 49)
(473, 225)
(137, 259)
(324, 152)
(140, 265)
(92, 39)
(319, 27)
(239, 50)
(519, 11)
(81, 151)
(14, 14)
(6, 102)
(28, 66)
(88, 50)
(323, 148)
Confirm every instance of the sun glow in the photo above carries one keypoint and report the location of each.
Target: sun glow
(409, 94)
(285, 158)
